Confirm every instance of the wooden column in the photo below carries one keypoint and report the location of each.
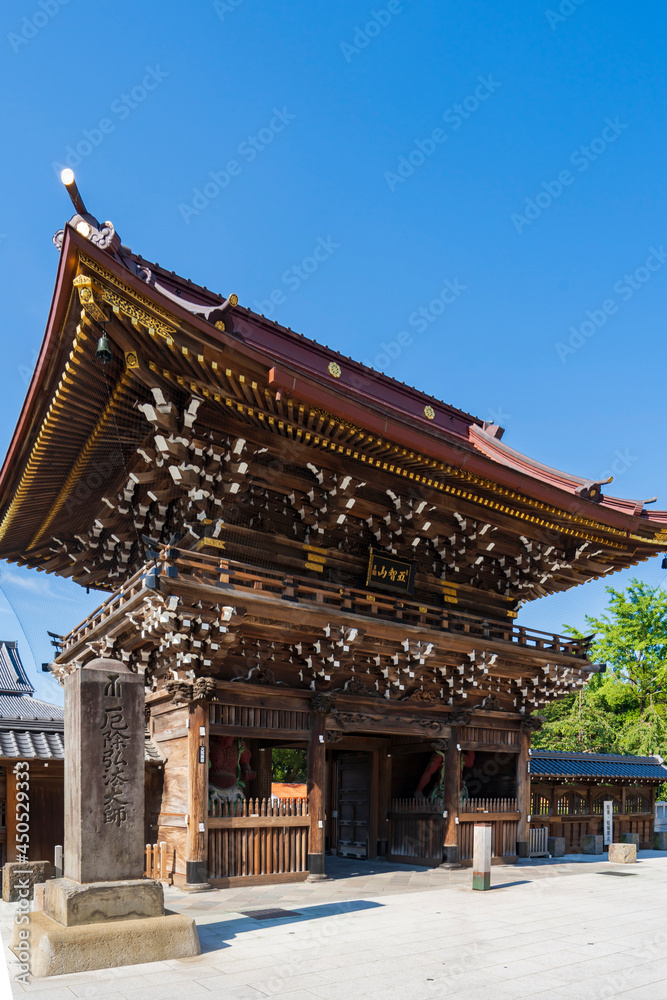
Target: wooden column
(523, 794)
(263, 766)
(317, 770)
(593, 822)
(373, 811)
(11, 809)
(451, 800)
(196, 865)
(384, 801)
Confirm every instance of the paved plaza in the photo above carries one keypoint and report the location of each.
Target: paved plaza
(575, 929)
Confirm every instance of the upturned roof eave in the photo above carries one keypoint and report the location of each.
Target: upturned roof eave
(400, 425)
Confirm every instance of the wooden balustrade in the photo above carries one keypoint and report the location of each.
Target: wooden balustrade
(256, 837)
(489, 806)
(228, 574)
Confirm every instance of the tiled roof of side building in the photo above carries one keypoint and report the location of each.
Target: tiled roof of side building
(31, 745)
(596, 765)
(14, 707)
(13, 678)
(36, 744)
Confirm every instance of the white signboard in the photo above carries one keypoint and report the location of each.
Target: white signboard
(608, 822)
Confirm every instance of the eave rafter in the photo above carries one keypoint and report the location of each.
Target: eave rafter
(197, 390)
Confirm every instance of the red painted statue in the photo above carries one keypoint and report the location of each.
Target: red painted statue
(436, 765)
(230, 768)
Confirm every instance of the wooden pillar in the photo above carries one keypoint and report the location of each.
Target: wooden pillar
(523, 794)
(317, 749)
(593, 821)
(373, 811)
(11, 810)
(262, 764)
(451, 800)
(384, 801)
(196, 865)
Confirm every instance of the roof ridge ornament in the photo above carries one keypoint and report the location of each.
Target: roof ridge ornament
(102, 234)
(592, 490)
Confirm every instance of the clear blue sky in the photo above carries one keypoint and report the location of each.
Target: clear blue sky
(517, 152)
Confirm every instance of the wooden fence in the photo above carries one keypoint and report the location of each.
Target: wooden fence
(415, 832)
(156, 861)
(489, 806)
(539, 837)
(503, 835)
(257, 837)
(502, 815)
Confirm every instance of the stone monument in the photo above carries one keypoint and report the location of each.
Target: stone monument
(103, 912)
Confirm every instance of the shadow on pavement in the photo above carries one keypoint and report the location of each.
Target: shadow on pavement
(219, 933)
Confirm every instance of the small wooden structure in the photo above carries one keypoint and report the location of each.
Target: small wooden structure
(568, 791)
(30, 731)
(303, 553)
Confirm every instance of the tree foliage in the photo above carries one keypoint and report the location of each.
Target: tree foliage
(288, 765)
(632, 639)
(623, 710)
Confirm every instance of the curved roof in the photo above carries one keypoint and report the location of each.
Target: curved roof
(432, 442)
(23, 707)
(13, 677)
(564, 764)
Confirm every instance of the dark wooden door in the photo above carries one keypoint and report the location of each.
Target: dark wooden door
(353, 804)
(46, 806)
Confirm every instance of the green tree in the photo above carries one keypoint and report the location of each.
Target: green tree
(288, 764)
(632, 640)
(578, 722)
(623, 710)
(644, 735)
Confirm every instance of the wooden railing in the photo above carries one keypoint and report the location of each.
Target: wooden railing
(503, 834)
(637, 804)
(156, 861)
(258, 837)
(538, 841)
(489, 806)
(415, 831)
(234, 576)
(572, 804)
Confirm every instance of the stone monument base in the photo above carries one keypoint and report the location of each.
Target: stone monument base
(101, 925)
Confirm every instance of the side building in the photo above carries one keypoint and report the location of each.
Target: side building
(569, 791)
(304, 554)
(31, 731)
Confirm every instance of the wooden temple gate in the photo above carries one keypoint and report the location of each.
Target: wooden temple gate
(304, 554)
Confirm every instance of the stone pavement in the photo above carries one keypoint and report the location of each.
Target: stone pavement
(566, 929)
